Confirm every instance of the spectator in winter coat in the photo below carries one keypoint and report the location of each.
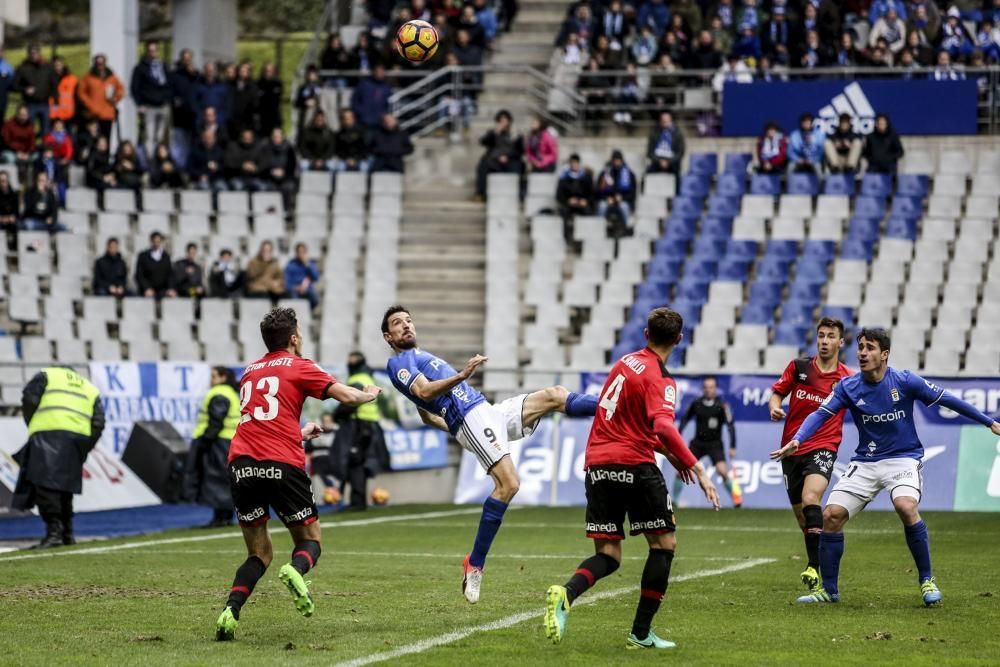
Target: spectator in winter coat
(10, 209)
(944, 71)
(264, 277)
(128, 169)
(333, 58)
(187, 277)
(813, 53)
(100, 171)
(110, 272)
(62, 106)
(616, 190)
(805, 146)
(317, 145)
(163, 171)
(307, 96)
(206, 167)
(279, 166)
(644, 46)
(152, 95)
(242, 163)
(733, 70)
(704, 55)
(244, 96)
(503, 151)
(390, 145)
(18, 135)
(541, 149)
(846, 54)
(153, 269)
(486, 17)
(890, 27)
(580, 23)
(271, 90)
(954, 38)
(6, 83)
(183, 81)
(211, 91)
(843, 147)
(883, 149)
(370, 100)
(778, 37)
(879, 8)
(747, 43)
(301, 276)
(575, 191)
(41, 208)
(36, 82)
(353, 148)
(771, 153)
(655, 14)
(225, 280)
(665, 147)
(99, 93)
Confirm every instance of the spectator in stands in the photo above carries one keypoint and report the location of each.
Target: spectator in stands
(61, 143)
(212, 92)
(944, 71)
(153, 269)
(665, 147)
(301, 276)
(46, 162)
(99, 93)
(110, 272)
(575, 192)
(925, 18)
(988, 40)
(225, 280)
(187, 277)
(206, 167)
(613, 24)
(771, 153)
(6, 83)
(390, 145)
(36, 82)
(209, 122)
(470, 23)
(573, 52)
(486, 17)
(655, 14)
(733, 70)
(10, 207)
(616, 190)
(41, 208)
(264, 277)
(805, 146)
(163, 171)
(541, 148)
(954, 38)
(680, 30)
(245, 96)
(880, 55)
(335, 57)
(152, 95)
(242, 163)
(86, 138)
(364, 55)
(608, 57)
(813, 53)
(370, 100)
(768, 74)
(280, 166)
(644, 46)
(690, 13)
(467, 54)
(890, 27)
(777, 40)
(628, 97)
(843, 147)
(18, 135)
(846, 55)
(183, 80)
(580, 22)
(317, 145)
(128, 168)
(353, 148)
(503, 151)
(726, 11)
(880, 7)
(704, 55)
(100, 171)
(62, 106)
(749, 16)
(747, 43)
(271, 91)
(883, 149)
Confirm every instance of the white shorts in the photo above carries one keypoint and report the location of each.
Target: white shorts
(489, 428)
(863, 481)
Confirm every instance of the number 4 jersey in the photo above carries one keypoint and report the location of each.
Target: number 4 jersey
(272, 391)
(638, 390)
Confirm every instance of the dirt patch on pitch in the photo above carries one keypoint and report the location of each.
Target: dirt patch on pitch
(49, 592)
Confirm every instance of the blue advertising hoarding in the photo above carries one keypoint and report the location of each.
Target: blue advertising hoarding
(915, 106)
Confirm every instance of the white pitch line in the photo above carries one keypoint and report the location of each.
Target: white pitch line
(516, 619)
(333, 552)
(684, 527)
(233, 534)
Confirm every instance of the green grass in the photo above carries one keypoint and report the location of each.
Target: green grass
(385, 586)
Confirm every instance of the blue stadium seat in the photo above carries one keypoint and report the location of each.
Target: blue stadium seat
(843, 313)
(805, 291)
(902, 228)
(790, 334)
(693, 289)
(640, 309)
(663, 269)
(765, 184)
(852, 248)
(672, 248)
(695, 185)
(839, 184)
(782, 248)
(876, 185)
(706, 164)
(912, 185)
(812, 271)
(774, 269)
(737, 163)
(765, 293)
(731, 185)
(709, 248)
(869, 207)
(734, 269)
(803, 184)
(689, 310)
(816, 250)
(654, 290)
(686, 207)
(907, 207)
(865, 229)
(700, 268)
(723, 207)
(755, 313)
(741, 249)
(717, 227)
(798, 313)
(678, 227)
(676, 358)
(850, 355)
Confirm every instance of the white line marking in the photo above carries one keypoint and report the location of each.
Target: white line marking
(509, 621)
(234, 534)
(333, 552)
(684, 527)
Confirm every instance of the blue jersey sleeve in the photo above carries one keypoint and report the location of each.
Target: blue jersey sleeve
(922, 390)
(930, 394)
(833, 404)
(403, 370)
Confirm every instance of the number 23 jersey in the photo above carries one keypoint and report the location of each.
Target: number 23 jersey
(639, 389)
(272, 391)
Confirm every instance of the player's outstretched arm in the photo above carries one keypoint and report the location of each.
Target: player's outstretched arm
(350, 396)
(311, 431)
(930, 394)
(433, 420)
(428, 390)
(809, 427)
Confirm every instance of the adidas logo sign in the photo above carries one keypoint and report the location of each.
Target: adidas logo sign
(854, 103)
(860, 402)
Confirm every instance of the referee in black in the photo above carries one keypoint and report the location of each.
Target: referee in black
(710, 413)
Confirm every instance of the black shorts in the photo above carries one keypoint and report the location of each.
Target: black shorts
(258, 485)
(710, 448)
(638, 491)
(797, 468)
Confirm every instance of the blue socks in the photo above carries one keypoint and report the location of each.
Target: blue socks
(489, 524)
(581, 405)
(831, 550)
(920, 546)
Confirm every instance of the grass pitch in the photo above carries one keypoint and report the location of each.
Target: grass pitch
(388, 587)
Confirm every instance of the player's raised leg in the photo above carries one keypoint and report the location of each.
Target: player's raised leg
(259, 554)
(305, 555)
(544, 402)
(831, 550)
(655, 576)
(506, 485)
(813, 488)
(559, 599)
(919, 542)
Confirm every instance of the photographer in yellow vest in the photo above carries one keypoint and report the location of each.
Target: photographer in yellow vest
(65, 419)
(206, 477)
(359, 445)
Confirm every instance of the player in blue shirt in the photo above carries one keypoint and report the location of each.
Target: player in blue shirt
(446, 401)
(888, 456)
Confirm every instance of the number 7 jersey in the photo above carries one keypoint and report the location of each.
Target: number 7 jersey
(639, 389)
(272, 391)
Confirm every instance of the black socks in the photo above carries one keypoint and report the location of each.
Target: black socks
(654, 584)
(305, 555)
(594, 568)
(814, 527)
(247, 577)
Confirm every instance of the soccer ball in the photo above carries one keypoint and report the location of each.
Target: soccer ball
(417, 41)
(379, 496)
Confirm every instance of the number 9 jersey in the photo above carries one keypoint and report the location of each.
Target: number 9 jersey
(639, 389)
(272, 391)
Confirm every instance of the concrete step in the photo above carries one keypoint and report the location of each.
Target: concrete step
(536, 58)
(531, 14)
(546, 26)
(517, 38)
(422, 303)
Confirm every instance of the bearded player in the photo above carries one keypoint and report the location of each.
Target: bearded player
(635, 419)
(808, 382)
(267, 462)
(447, 402)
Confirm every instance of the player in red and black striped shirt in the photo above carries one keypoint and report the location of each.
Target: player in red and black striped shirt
(634, 420)
(807, 382)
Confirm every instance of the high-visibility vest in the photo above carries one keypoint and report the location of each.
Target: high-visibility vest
(63, 105)
(66, 405)
(369, 411)
(232, 419)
